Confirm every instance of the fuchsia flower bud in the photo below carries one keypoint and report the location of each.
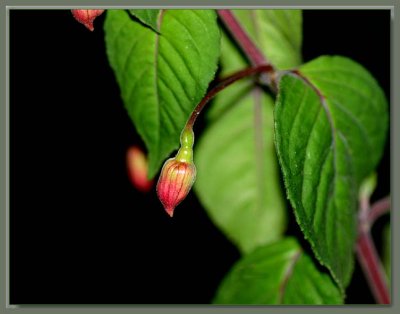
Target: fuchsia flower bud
(137, 169)
(86, 17)
(177, 175)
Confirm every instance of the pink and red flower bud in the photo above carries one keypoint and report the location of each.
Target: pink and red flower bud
(137, 169)
(176, 180)
(86, 17)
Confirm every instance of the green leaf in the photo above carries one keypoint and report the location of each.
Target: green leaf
(233, 111)
(355, 96)
(163, 76)
(147, 16)
(237, 178)
(279, 273)
(277, 33)
(329, 138)
(367, 187)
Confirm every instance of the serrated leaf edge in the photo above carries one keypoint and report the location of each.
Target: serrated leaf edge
(306, 233)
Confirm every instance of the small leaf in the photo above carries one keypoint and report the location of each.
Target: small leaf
(279, 273)
(278, 34)
(147, 16)
(368, 187)
(329, 137)
(163, 76)
(238, 179)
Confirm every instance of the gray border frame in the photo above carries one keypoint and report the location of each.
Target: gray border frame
(5, 307)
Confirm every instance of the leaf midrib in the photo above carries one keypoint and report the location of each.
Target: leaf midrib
(288, 273)
(156, 89)
(314, 239)
(258, 146)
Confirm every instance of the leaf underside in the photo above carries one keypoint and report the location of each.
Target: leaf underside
(277, 33)
(238, 178)
(238, 182)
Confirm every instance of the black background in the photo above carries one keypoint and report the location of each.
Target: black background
(80, 233)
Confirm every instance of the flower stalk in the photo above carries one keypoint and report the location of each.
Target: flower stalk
(179, 173)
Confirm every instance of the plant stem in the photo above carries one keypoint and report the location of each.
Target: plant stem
(249, 48)
(255, 56)
(378, 209)
(222, 85)
(372, 267)
(366, 251)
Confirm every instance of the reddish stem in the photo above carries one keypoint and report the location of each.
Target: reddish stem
(255, 56)
(378, 209)
(372, 267)
(246, 44)
(222, 85)
(366, 251)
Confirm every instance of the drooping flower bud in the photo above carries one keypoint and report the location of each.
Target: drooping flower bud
(86, 17)
(137, 169)
(177, 175)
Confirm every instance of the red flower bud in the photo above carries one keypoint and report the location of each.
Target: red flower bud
(177, 175)
(176, 180)
(86, 17)
(137, 169)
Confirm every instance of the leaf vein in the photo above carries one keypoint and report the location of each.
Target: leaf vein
(184, 61)
(163, 81)
(175, 75)
(188, 32)
(356, 91)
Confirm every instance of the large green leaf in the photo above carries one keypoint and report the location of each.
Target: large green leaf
(330, 128)
(238, 178)
(279, 273)
(233, 203)
(147, 16)
(163, 76)
(277, 33)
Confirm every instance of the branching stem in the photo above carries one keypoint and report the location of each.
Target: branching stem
(222, 85)
(249, 48)
(378, 209)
